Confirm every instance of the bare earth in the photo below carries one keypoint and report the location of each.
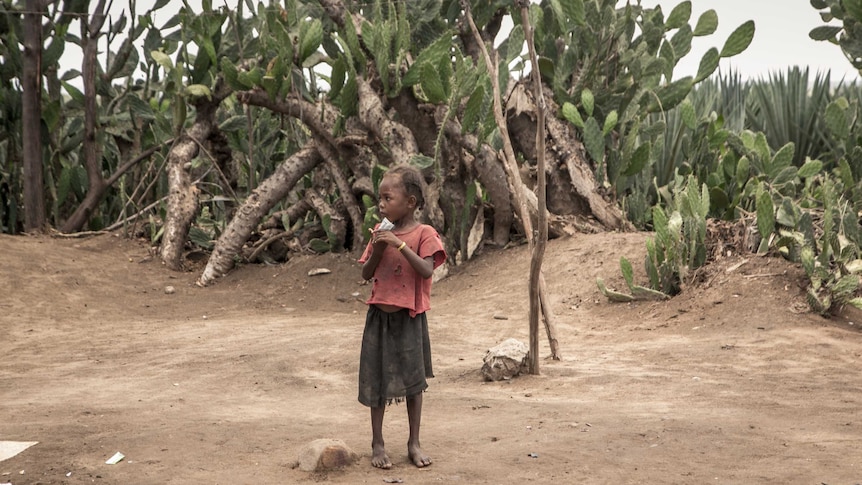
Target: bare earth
(733, 381)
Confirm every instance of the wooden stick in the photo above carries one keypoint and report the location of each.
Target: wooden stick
(537, 288)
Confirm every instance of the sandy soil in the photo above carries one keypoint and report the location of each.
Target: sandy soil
(733, 381)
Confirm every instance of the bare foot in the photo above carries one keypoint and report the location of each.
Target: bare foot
(379, 458)
(420, 459)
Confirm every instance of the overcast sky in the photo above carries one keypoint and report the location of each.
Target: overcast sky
(780, 40)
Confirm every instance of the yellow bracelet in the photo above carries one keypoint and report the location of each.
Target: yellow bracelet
(401, 246)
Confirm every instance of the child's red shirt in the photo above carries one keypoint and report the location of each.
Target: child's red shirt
(395, 282)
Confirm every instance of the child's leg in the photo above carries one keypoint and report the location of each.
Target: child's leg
(379, 458)
(414, 417)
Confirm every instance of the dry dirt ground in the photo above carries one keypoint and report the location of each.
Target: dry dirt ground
(731, 382)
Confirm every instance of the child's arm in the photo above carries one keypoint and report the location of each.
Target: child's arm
(370, 265)
(423, 267)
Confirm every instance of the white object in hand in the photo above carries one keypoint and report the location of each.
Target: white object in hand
(385, 225)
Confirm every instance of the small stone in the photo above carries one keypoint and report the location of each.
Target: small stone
(500, 317)
(325, 454)
(318, 271)
(170, 290)
(506, 360)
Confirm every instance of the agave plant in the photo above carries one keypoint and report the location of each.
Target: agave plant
(788, 108)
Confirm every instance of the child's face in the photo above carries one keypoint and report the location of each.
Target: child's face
(394, 203)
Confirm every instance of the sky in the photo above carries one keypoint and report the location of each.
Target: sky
(780, 40)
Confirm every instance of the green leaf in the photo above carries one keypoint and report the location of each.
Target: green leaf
(198, 91)
(650, 264)
(765, 214)
(739, 40)
(825, 32)
(810, 169)
(679, 16)
(250, 78)
(594, 140)
(856, 302)
(837, 120)
(627, 271)
(512, 47)
(671, 94)
(787, 175)
(162, 59)
(681, 42)
(612, 295)
(140, 108)
(473, 111)
(787, 215)
(703, 210)
(588, 101)
(708, 64)
(783, 158)
(200, 237)
(571, 113)
(354, 48)
(74, 92)
(51, 55)
(270, 85)
(653, 130)
(337, 78)
(845, 286)
(319, 246)
(718, 198)
(430, 55)
(654, 66)
(230, 74)
(64, 185)
(642, 293)
(546, 68)
(349, 97)
(854, 8)
(639, 160)
(819, 4)
(432, 85)
(233, 124)
(706, 24)
(689, 116)
(743, 171)
(668, 59)
(310, 38)
(421, 161)
(610, 122)
(574, 10)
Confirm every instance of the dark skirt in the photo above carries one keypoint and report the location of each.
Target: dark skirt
(395, 359)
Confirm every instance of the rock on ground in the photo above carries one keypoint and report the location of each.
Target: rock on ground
(325, 454)
(505, 360)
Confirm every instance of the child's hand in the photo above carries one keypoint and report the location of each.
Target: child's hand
(385, 238)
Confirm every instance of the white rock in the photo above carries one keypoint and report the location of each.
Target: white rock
(506, 360)
(325, 454)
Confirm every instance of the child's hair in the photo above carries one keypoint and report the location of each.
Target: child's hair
(411, 179)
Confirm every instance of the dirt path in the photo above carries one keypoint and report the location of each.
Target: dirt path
(731, 382)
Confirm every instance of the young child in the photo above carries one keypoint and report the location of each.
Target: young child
(396, 353)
